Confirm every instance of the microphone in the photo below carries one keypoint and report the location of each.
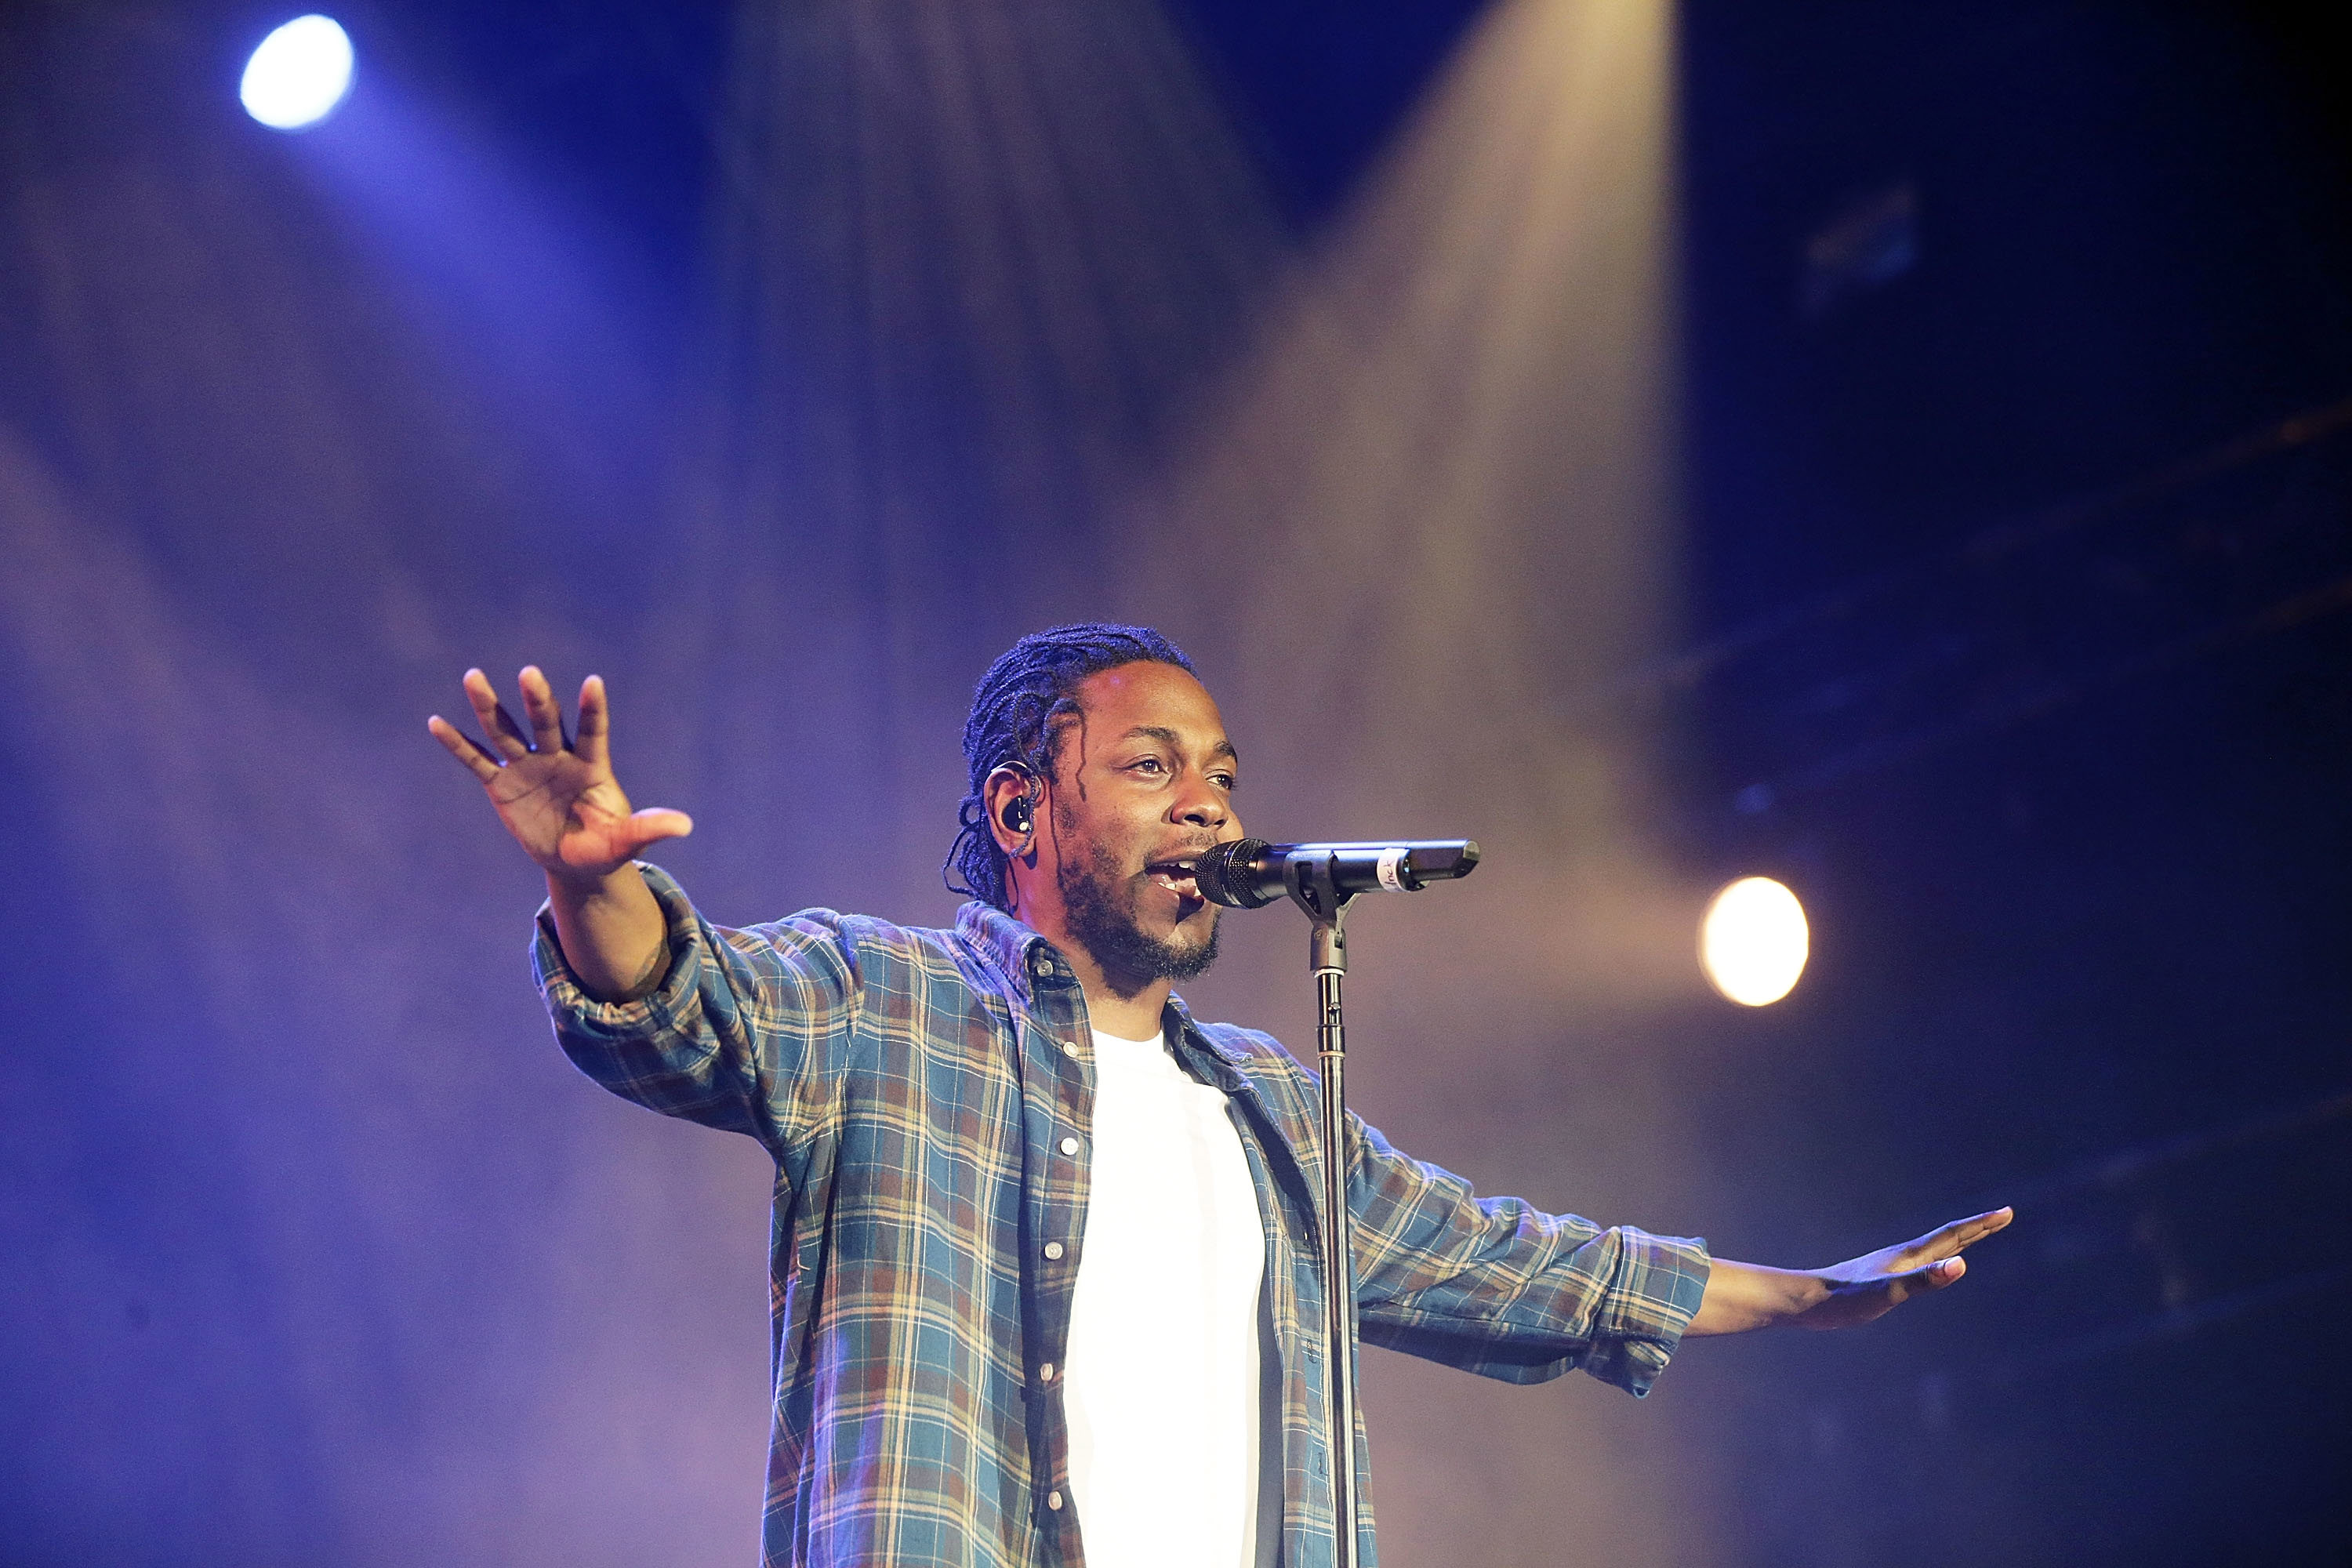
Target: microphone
(1249, 873)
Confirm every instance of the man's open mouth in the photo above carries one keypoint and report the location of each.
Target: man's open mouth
(1176, 875)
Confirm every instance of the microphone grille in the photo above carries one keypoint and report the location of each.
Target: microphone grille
(1224, 874)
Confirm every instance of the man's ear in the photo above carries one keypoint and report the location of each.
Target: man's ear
(1013, 799)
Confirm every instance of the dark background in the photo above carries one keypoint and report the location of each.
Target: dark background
(2007, 624)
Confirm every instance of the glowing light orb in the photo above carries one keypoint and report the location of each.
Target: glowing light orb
(1754, 941)
(298, 74)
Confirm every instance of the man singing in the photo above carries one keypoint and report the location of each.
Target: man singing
(1044, 1273)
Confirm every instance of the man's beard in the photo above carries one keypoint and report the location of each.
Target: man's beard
(1129, 960)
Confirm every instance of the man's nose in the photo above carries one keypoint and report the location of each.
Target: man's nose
(1202, 806)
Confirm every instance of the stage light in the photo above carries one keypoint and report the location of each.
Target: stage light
(1753, 942)
(298, 74)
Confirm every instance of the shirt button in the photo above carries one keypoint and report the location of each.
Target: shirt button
(1053, 1250)
(1069, 1048)
(1054, 1501)
(1069, 1145)
(1045, 1373)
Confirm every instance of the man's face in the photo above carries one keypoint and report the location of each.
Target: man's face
(1143, 783)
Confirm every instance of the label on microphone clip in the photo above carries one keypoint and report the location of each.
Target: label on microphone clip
(1390, 859)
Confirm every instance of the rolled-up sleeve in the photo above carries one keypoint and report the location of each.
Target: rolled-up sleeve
(1496, 1286)
(743, 1030)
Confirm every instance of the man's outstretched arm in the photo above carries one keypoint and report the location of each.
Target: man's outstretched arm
(1743, 1296)
(560, 800)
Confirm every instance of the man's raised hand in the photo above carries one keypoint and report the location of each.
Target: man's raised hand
(558, 798)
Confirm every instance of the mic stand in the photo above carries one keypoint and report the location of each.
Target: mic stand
(1312, 888)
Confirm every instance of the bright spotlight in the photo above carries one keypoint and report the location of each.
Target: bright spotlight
(298, 74)
(1753, 942)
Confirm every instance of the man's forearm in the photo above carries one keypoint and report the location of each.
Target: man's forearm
(613, 933)
(1743, 1296)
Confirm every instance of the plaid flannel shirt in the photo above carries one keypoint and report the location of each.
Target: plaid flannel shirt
(916, 1089)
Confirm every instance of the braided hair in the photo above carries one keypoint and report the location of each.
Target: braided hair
(1018, 713)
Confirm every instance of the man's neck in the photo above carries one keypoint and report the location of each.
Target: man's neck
(1135, 1017)
(1110, 1006)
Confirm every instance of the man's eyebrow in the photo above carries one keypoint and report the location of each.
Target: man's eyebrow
(1174, 742)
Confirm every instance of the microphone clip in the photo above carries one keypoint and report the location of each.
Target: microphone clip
(1312, 886)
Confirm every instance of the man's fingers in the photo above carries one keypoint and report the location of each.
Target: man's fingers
(657, 822)
(595, 724)
(464, 748)
(1969, 1232)
(546, 715)
(507, 738)
(1949, 1240)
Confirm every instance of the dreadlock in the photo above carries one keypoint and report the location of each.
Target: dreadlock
(1017, 714)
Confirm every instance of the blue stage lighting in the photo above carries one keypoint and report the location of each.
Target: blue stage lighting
(298, 74)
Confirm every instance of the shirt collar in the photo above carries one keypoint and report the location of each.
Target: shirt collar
(1178, 1020)
(1019, 953)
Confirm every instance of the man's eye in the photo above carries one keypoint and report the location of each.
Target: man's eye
(1225, 782)
(1149, 765)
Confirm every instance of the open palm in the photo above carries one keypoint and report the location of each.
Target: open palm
(558, 798)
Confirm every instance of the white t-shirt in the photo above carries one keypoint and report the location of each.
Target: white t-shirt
(1164, 1387)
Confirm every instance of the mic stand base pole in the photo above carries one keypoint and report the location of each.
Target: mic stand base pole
(1311, 889)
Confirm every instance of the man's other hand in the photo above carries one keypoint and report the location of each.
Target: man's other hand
(1876, 1283)
(1743, 1296)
